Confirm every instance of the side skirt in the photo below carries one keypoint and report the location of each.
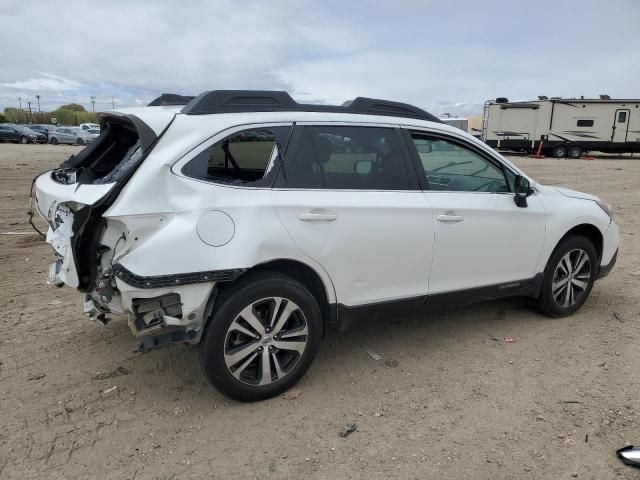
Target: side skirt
(347, 315)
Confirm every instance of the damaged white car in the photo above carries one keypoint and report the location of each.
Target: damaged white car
(254, 225)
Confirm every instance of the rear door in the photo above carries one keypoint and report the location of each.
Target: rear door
(10, 133)
(5, 135)
(68, 135)
(620, 125)
(347, 200)
(481, 237)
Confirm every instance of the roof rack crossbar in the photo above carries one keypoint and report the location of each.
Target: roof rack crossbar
(238, 101)
(170, 99)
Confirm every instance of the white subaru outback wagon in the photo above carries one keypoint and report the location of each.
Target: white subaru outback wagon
(253, 225)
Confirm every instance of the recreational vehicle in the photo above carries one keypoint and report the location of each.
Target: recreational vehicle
(563, 127)
(459, 122)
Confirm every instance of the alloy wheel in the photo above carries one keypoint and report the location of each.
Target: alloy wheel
(265, 341)
(571, 278)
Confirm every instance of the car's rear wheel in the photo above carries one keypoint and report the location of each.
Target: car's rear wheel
(24, 140)
(559, 151)
(53, 141)
(262, 336)
(568, 277)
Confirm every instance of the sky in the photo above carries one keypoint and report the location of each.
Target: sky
(445, 56)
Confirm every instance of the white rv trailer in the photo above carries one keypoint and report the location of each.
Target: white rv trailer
(459, 122)
(567, 127)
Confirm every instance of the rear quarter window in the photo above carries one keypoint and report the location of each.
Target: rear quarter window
(243, 158)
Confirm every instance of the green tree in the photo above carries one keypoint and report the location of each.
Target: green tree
(15, 115)
(3, 119)
(74, 107)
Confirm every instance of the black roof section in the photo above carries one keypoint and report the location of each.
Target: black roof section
(237, 101)
(170, 99)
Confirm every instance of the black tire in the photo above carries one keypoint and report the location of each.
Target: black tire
(79, 141)
(53, 141)
(559, 151)
(24, 140)
(548, 302)
(245, 292)
(574, 151)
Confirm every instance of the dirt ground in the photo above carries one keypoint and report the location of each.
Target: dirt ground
(451, 399)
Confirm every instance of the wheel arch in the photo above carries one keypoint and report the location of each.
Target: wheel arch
(587, 230)
(313, 281)
(321, 288)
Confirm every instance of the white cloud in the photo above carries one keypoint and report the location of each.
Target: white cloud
(46, 81)
(438, 55)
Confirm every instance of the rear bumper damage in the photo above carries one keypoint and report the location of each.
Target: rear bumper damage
(157, 316)
(88, 243)
(160, 309)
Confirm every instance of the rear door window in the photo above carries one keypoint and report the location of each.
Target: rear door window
(346, 157)
(243, 158)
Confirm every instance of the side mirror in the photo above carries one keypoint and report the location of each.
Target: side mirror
(363, 167)
(522, 189)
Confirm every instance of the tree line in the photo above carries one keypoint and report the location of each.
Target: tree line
(70, 114)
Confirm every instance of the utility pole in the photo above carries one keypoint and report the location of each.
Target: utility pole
(20, 100)
(113, 103)
(38, 97)
(30, 115)
(93, 103)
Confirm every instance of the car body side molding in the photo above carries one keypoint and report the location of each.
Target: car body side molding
(530, 288)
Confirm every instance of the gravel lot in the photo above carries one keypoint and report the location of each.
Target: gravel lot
(449, 400)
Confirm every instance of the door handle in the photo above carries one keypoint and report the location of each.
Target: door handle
(317, 216)
(449, 218)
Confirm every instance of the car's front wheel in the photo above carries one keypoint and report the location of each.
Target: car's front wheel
(568, 277)
(262, 336)
(24, 140)
(79, 141)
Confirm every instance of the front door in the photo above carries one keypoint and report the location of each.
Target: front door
(481, 237)
(620, 126)
(346, 200)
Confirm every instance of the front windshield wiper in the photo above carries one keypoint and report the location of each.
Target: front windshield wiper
(450, 164)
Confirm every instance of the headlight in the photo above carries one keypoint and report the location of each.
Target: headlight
(608, 209)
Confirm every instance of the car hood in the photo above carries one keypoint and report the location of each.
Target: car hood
(567, 192)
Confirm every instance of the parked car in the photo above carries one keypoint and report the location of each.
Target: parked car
(33, 135)
(43, 129)
(253, 226)
(10, 132)
(89, 126)
(84, 136)
(69, 135)
(92, 133)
